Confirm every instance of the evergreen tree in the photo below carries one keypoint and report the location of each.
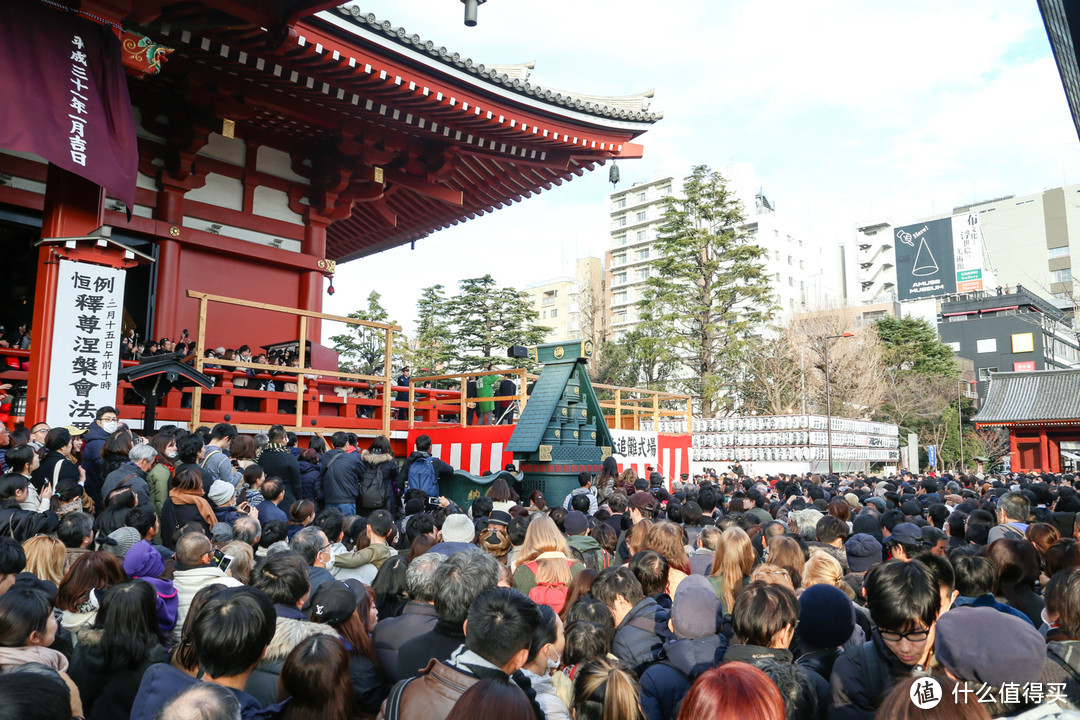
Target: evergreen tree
(362, 349)
(433, 347)
(487, 320)
(709, 292)
(912, 344)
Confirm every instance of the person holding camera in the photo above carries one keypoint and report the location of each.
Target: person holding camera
(197, 565)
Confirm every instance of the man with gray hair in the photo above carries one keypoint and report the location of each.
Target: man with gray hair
(1013, 509)
(132, 474)
(312, 546)
(202, 701)
(247, 529)
(457, 582)
(418, 617)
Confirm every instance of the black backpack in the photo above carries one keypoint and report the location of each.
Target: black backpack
(372, 488)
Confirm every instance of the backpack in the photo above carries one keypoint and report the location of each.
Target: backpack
(422, 475)
(372, 488)
(551, 594)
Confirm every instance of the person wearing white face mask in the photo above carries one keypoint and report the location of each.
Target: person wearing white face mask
(105, 424)
(160, 476)
(545, 656)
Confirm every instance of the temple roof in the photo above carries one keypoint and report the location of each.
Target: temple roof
(1031, 397)
(513, 77)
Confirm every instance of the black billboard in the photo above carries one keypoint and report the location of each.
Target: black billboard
(925, 266)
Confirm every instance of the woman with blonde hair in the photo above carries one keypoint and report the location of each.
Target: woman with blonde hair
(45, 558)
(772, 575)
(732, 565)
(545, 556)
(605, 690)
(667, 538)
(786, 553)
(824, 569)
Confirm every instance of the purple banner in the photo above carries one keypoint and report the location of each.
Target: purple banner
(64, 95)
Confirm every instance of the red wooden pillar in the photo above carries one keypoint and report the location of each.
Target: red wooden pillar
(311, 281)
(1014, 455)
(74, 207)
(1044, 452)
(170, 209)
(1053, 462)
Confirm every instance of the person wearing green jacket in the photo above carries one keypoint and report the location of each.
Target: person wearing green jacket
(485, 388)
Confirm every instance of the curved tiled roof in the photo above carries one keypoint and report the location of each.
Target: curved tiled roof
(633, 108)
(1041, 396)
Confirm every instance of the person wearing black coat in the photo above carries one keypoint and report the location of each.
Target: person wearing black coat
(310, 476)
(15, 522)
(93, 444)
(174, 517)
(108, 692)
(277, 461)
(341, 475)
(506, 388)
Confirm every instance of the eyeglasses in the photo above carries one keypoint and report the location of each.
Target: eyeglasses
(917, 636)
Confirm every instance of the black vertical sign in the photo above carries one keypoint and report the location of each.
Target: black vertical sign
(925, 266)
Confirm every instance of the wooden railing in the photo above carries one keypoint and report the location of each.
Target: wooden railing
(433, 406)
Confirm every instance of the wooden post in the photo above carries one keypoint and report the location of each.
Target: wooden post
(689, 415)
(388, 371)
(412, 398)
(656, 412)
(523, 395)
(462, 400)
(618, 408)
(200, 352)
(301, 352)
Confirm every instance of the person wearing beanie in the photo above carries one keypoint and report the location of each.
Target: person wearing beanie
(826, 621)
(697, 647)
(123, 540)
(863, 553)
(980, 646)
(143, 562)
(458, 533)
(582, 543)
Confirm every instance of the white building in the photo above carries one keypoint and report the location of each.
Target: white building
(875, 257)
(571, 307)
(805, 272)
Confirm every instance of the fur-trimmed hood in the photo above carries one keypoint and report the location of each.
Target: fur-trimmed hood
(376, 459)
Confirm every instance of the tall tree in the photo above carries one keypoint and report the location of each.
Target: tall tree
(709, 292)
(433, 348)
(487, 320)
(362, 349)
(912, 344)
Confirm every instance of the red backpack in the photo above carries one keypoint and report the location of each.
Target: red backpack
(551, 594)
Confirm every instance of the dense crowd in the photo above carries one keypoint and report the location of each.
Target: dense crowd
(210, 574)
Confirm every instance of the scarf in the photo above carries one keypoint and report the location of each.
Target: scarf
(194, 497)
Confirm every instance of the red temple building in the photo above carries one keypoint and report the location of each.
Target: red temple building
(274, 140)
(1041, 411)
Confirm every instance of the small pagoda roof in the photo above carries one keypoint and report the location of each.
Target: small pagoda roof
(543, 401)
(1040, 397)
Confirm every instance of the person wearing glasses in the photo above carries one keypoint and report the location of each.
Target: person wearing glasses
(38, 433)
(904, 602)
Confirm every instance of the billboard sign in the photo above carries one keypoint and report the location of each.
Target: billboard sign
(939, 257)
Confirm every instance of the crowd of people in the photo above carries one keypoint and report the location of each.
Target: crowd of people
(212, 574)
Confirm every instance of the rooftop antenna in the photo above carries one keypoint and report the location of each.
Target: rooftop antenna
(470, 11)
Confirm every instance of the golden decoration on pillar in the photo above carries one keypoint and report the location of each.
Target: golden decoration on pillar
(327, 266)
(174, 231)
(228, 128)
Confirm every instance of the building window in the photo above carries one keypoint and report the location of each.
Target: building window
(955, 346)
(984, 373)
(1059, 252)
(618, 259)
(665, 190)
(643, 254)
(543, 315)
(640, 236)
(620, 278)
(777, 277)
(776, 255)
(1061, 276)
(802, 265)
(791, 282)
(619, 298)
(643, 274)
(555, 313)
(790, 260)
(620, 202)
(1023, 342)
(641, 215)
(620, 240)
(620, 317)
(988, 345)
(620, 221)
(641, 196)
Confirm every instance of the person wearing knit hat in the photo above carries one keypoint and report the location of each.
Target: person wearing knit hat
(458, 533)
(981, 645)
(221, 493)
(826, 621)
(143, 562)
(123, 540)
(576, 523)
(697, 647)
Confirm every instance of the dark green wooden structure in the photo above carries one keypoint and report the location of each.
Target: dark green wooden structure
(562, 430)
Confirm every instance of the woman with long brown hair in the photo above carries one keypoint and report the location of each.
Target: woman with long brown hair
(349, 608)
(82, 586)
(732, 565)
(786, 553)
(667, 538)
(315, 682)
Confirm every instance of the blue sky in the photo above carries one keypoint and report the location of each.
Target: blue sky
(849, 111)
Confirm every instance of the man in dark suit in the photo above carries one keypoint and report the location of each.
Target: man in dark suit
(505, 409)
